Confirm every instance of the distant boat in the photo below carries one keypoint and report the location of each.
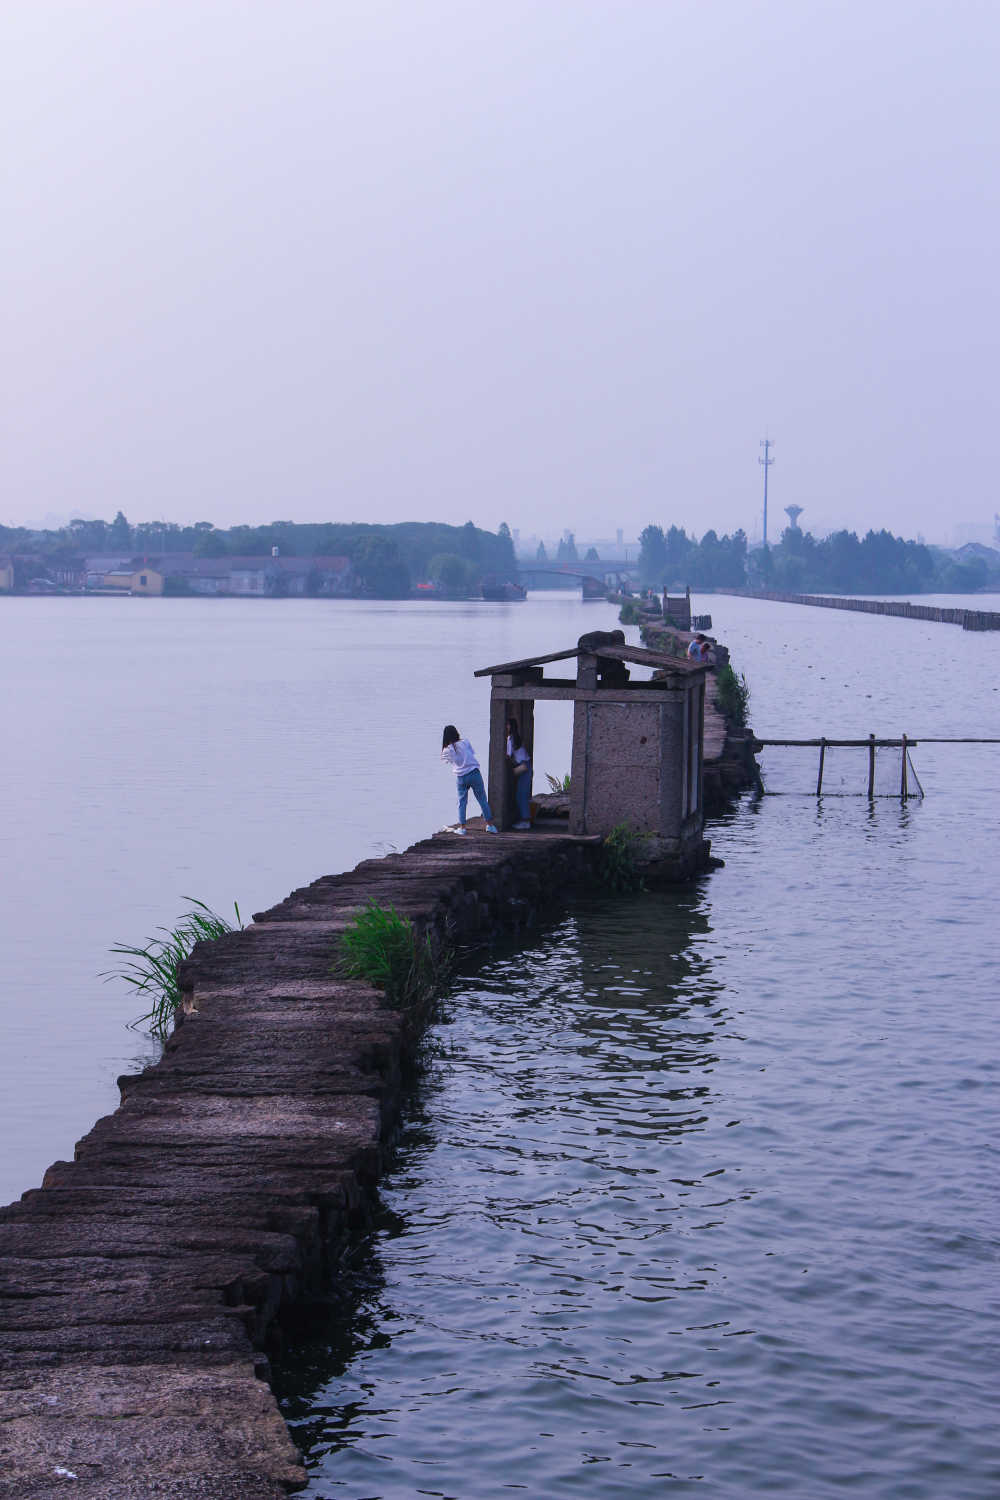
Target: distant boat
(503, 593)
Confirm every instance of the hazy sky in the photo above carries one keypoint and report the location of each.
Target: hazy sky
(558, 263)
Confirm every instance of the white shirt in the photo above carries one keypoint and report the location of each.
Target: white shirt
(461, 757)
(516, 755)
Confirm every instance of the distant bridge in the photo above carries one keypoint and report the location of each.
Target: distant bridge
(595, 579)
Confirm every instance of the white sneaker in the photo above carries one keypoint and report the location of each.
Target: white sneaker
(461, 829)
(521, 827)
(492, 828)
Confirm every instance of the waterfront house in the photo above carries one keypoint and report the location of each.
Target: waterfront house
(97, 567)
(260, 577)
(294, 576)
(118, 578)
(236, 576)
(638, 745)
(144, 580)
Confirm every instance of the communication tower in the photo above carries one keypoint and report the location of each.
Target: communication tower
(767, 444)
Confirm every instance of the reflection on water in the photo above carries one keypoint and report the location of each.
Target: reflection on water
(539, 1196)
(692, 1198)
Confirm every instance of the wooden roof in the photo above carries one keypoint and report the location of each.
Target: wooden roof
(638, 655)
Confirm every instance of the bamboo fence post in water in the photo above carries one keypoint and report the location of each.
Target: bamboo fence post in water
(903, 791)
(871, 767)
(822, 757)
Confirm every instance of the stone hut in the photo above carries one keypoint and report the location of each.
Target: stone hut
(637, 745)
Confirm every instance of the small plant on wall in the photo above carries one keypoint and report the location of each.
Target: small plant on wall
(620, 867)
(382, 947)
(152, 967)
(732, 695)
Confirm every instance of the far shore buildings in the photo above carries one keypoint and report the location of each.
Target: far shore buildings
(242, 577)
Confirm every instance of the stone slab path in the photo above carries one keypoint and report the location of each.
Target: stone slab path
(142, 1285)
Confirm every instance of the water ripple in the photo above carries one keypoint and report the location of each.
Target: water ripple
(666, 1219)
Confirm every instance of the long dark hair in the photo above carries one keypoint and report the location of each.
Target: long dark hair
(450, 736)
(514, 734)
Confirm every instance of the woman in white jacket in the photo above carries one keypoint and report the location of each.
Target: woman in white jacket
(462, 758)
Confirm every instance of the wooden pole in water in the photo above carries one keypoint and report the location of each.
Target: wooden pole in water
(822, 757)
(903, 788)
(871, 767)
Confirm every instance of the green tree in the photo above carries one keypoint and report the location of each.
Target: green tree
(120, 534)
(469, 544)
(208, 541)
(843, 559)
(379, 568)
(652, 555)
(733, 562)
(760, 567)
(151, 537)
(679, 549)
(88, 536)
(507, 559)
(454, 574)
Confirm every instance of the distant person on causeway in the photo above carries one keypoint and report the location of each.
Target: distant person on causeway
(462, 758)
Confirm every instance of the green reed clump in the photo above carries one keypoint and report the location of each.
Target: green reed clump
(152, 968)
(620, 867)
(382, 947)
(732, 695)
(560, 784)
(630, 613)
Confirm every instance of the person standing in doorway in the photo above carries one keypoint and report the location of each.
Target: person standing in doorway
(520, 765)
(462, 758)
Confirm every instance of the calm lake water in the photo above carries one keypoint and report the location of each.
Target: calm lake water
(695, 1196)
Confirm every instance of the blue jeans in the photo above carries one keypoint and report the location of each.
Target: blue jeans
(472, 781)
(522, 795)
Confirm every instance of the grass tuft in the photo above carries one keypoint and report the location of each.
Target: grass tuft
(732, 695)
(382, 947)
(620, 868)
(151, 969)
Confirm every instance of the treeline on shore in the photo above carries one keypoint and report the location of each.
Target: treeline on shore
(387, 561)
(799, 563)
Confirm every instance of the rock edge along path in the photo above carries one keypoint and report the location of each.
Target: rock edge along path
(142, 1284)
(902, 609)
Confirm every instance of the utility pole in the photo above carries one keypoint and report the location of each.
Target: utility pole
(767, 444)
